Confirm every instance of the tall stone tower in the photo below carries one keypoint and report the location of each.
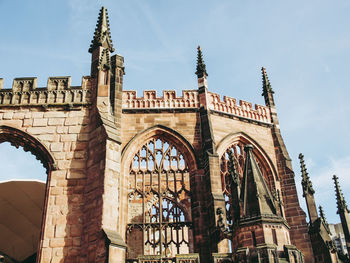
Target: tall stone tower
(156, 178)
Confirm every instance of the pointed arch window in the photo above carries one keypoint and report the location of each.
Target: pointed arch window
(159, 204)
(237, 150)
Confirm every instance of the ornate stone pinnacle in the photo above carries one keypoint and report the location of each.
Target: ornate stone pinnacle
(232, 169)
(102, 35)
(305, 182)
(201, 68)
(341, 203)
(266, 83)
(322, 215)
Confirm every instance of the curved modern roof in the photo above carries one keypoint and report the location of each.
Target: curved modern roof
(21, 206)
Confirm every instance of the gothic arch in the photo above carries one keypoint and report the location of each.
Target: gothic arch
(163, 189)
(229, 139)
(235, 143)
(19, 138)
(30, 144)
(167, 132)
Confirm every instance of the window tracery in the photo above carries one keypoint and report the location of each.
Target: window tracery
(159, 208)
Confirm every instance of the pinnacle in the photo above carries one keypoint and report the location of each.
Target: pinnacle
(323, 217)
(102, 35)
(306, 182)
(266, 83)
(322, 213)
(201, 68)
(341, 203)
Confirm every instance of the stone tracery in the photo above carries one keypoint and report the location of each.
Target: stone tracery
(159, 213)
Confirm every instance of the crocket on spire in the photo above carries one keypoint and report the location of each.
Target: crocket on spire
(323, 217)
(201, 68)
(102, 35)
(267, 89)
(266, 82)
(341, 203)
(305, 182)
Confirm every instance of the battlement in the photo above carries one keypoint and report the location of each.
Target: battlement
(244, 109)
(58, 92)
(190, 99)
(150, 100)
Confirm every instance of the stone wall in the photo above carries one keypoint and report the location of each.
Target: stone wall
(91, 135)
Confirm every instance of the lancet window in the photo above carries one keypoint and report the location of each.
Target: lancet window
(237, 150)
(159, 208)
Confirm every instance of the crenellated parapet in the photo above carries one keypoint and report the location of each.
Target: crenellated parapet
(150, 100)
(58, 92)
(190, 100)
(244, 109)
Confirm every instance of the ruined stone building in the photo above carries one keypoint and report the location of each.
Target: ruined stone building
(155, 178)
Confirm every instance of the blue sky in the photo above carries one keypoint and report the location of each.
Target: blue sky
(305, 46)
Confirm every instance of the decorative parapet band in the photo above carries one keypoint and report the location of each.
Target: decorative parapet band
(244, 109)
(150, 100)
(190, 100)
(58, 92)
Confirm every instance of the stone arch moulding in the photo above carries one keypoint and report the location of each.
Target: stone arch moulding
(179, 197)
(19, 138)
(172, 135)
(241, 136)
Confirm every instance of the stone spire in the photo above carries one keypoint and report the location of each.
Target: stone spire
(343, 212)
(323, 217)
(267, 89)
(305, 182)
(102, 36)
(201, 68)
(341, 203)
(308, 191)
(255, 194)
(235, 187)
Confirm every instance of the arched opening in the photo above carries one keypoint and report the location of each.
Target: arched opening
(25, 166)
(237, 149)
(159, 202)
(233, 145)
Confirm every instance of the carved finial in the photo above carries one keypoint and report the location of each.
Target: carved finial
(102, 36)
(201, 68)
(341, 203)
(266, 83)
(305, 182)
(232, 169)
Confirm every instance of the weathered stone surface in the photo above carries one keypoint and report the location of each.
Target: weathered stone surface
(89, 138)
